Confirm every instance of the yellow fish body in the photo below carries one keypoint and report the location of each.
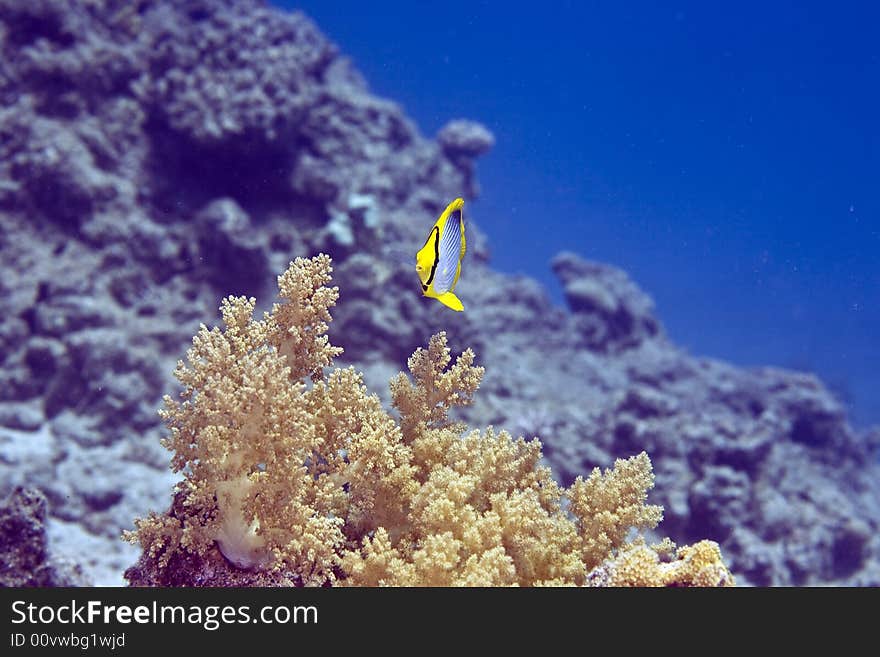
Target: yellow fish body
(438, 263)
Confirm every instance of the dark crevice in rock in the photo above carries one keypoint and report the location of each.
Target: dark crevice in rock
(27, 26)
(813, 431)
(848, 553)
(187, 174)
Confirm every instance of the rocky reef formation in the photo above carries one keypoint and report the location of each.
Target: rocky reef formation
(25, 557)
(156, 156)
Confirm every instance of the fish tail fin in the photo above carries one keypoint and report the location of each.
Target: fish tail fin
(450, 300)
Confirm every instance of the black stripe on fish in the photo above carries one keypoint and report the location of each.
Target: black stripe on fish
(436, 257)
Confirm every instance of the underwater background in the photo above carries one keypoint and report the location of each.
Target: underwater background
(728, 157)
(671, 233)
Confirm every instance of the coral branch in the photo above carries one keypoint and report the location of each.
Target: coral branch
(607, 505)
(637, 564)
(425, 403)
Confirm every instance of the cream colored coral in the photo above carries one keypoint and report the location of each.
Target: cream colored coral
(608, 505)
(424, 403)
(289, 471)
(297, 327)
(245, 436)
(637, 564)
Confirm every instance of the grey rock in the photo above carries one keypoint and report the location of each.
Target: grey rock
(229, 249)
(356, 229)
(13, 333)
(25, 558)
(465, 138)
(610, 312)
(228, 71)
(102, 558)
(27, 459)
(27, 417)
(462, 141)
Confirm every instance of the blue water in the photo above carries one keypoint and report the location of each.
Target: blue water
(729, 160)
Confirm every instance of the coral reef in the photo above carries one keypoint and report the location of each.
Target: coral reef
(318, 484)
(140, 180)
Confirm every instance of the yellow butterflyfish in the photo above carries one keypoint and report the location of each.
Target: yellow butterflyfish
(438, 263)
